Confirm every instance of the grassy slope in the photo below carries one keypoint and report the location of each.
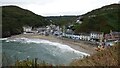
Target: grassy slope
(62, 20)
(108, 57)
(14, 18)
(106, 19)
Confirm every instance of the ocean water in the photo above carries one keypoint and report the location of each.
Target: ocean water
(50, 52)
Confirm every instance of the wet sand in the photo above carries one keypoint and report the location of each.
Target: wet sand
(73, 44)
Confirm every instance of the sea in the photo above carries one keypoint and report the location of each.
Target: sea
(50, 52)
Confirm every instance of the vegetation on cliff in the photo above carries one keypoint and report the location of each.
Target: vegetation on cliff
(107, 57)
(102, 19)
(14, 18)
(62, 20)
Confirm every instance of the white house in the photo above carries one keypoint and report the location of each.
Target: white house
(96, 36)
(78, 21)
(57, 33)
(69, 31)
(77, 37)
(85, 37)
(27, 29)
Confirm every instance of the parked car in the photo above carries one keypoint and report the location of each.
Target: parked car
(110, 42)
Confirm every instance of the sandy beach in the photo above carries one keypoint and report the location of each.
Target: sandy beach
(73, 44)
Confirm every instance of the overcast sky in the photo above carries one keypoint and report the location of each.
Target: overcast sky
(59, 7)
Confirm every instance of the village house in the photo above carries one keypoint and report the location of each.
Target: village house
(85, 36)
(27, 29)
(57, 33)
(50, 30)
(69, 31)
(77, 37)
(115, 35)
(96, 36)
(108, 37)
(55, 30)
(41, 30)
(78, 21)
(112, 36)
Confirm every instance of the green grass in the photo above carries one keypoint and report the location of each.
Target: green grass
(14, 18)
(106, 19)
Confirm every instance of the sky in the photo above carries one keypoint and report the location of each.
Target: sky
(59, 7)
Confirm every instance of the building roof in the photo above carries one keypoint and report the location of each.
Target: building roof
(115, 33)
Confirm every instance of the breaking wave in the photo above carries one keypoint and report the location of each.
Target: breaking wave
(63, 47)
(3, 38)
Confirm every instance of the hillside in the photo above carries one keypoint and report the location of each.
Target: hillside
(102, 19)
(62, 20)
(13, 18)
(107, 57)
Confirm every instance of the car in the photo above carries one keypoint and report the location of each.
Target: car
(110, 43)
(117, 41)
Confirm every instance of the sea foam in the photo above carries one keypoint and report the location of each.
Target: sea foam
(3, 38)
(63, 47)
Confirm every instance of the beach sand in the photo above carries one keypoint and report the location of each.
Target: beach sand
(82, 47)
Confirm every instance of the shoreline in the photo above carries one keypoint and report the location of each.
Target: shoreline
(75, 45)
